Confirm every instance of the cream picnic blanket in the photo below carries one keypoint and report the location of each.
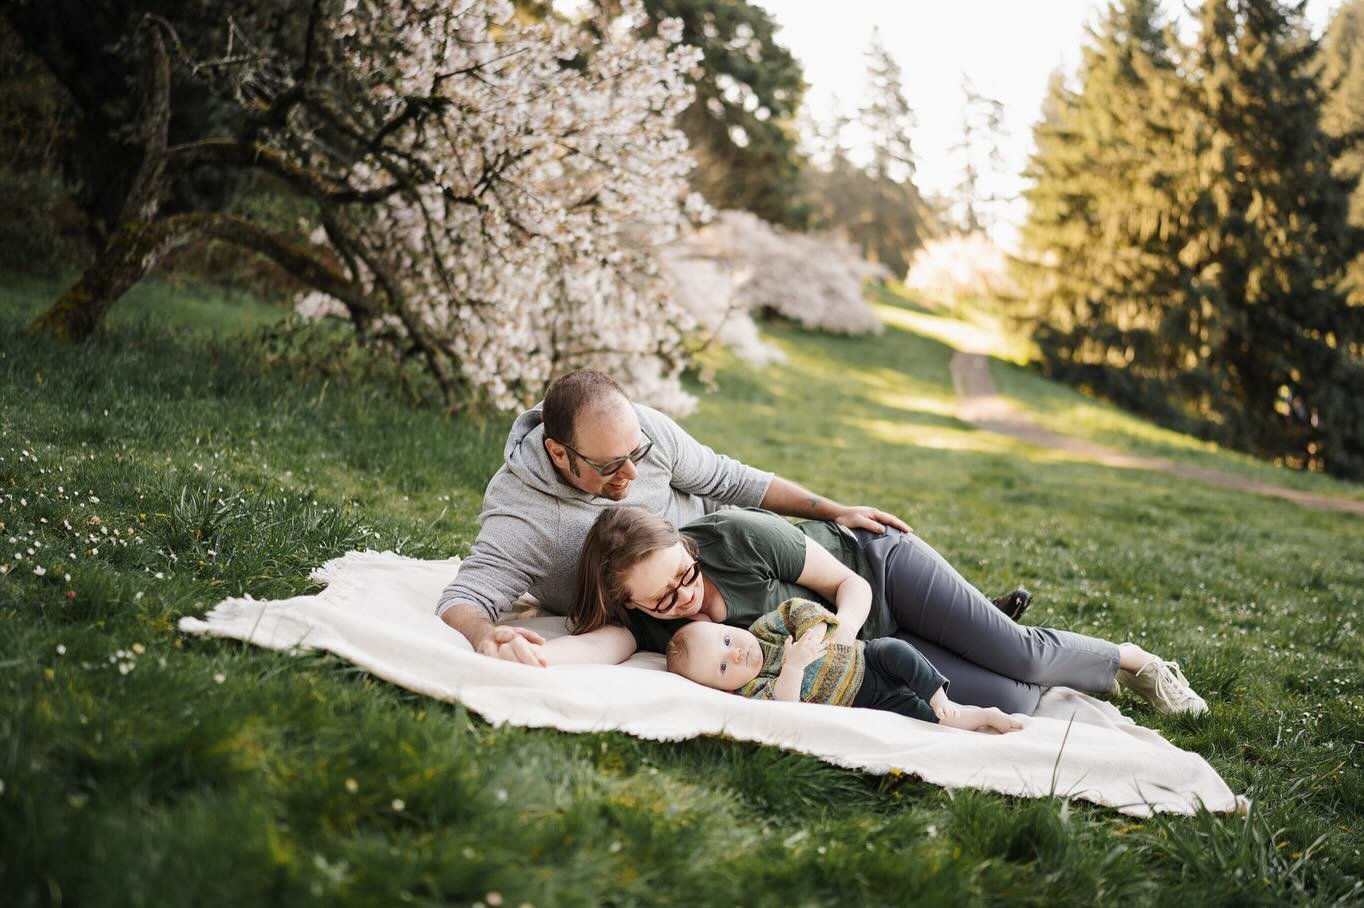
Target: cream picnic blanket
(377, 611)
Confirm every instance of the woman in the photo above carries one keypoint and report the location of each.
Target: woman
(639, 579)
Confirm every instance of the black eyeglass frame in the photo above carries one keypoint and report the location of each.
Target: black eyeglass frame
(613, 466)
(669, 599)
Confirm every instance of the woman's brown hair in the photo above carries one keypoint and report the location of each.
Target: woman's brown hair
(620, 538)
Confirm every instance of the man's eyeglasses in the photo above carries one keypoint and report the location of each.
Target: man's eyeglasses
(669, 599)
(612, 467)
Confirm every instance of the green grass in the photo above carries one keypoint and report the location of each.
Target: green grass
(212, 311)
(142, 767)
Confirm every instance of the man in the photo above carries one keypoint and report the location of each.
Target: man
(585, 447)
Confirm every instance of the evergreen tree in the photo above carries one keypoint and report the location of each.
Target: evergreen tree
(1272, 243)
(838, 191)
(1103, 288)
(1342, 78)
(893, 225)
(982, 129)
(742, 124)
(1186, 239)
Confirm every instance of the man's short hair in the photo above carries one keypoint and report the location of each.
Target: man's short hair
(570, 395)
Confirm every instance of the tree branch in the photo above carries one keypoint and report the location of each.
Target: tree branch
(231, 152)
(145, 194)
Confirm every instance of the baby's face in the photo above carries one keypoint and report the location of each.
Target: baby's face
(722, 657)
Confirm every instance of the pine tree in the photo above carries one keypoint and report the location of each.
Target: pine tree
(982, 130)
(893, 226)
(1272, 243)
(1186, 240)
(1342, 78)
(1102, 286)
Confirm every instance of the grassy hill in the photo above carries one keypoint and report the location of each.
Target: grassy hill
(176, 461)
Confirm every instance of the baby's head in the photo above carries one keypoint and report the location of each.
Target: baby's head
(716, 655)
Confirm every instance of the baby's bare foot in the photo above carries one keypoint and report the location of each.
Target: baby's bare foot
(975, 718)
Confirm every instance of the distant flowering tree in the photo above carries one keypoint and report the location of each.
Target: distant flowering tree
(960, 265)
(814, 279)
(486, 193)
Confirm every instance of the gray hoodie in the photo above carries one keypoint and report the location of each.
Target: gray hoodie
(533, 522)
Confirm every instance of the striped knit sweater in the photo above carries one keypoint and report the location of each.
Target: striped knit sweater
(833, 678)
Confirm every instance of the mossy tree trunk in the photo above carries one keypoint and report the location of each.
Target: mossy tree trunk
(131, 252)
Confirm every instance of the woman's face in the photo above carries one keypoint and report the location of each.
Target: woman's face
(650, 585)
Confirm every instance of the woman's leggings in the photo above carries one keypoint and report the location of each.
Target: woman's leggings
(989, 659)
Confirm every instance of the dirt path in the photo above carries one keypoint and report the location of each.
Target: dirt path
(982, 407)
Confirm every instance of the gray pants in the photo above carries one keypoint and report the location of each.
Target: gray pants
(987, 658)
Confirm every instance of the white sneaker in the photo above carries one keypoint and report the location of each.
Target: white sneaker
(1164, 686)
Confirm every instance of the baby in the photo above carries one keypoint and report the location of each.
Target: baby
(764, 662)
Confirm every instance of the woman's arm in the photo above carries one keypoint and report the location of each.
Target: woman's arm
(606, 645)
(850, 594)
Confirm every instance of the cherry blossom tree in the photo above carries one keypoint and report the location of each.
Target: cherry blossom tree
(486, 194)
(739, 265)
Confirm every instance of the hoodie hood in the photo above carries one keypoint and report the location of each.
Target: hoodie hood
(525, 458)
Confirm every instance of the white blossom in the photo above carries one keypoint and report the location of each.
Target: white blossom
(528, 247)
(740, 264)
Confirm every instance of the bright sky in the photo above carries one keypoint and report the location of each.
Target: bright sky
(1008, 49)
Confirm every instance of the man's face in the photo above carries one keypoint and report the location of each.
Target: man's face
(602, 435)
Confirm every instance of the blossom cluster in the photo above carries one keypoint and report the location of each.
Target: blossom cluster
(540, 168)
(740, 265)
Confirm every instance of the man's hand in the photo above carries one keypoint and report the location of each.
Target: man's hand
(810, 647)
(869, 518)
(513, 644)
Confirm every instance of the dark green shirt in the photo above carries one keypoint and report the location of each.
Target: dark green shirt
(754, 558)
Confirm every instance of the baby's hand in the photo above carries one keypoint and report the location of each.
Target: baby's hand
(810, 647)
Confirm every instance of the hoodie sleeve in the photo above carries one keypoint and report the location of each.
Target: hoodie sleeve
(698, 470)
(504, 563)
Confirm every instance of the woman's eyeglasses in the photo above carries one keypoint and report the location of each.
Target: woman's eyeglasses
(612, 467)
(669, 599)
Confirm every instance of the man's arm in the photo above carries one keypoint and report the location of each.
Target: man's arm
(514, 644)
(506, 560)
(698, 470)
(786, 497)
